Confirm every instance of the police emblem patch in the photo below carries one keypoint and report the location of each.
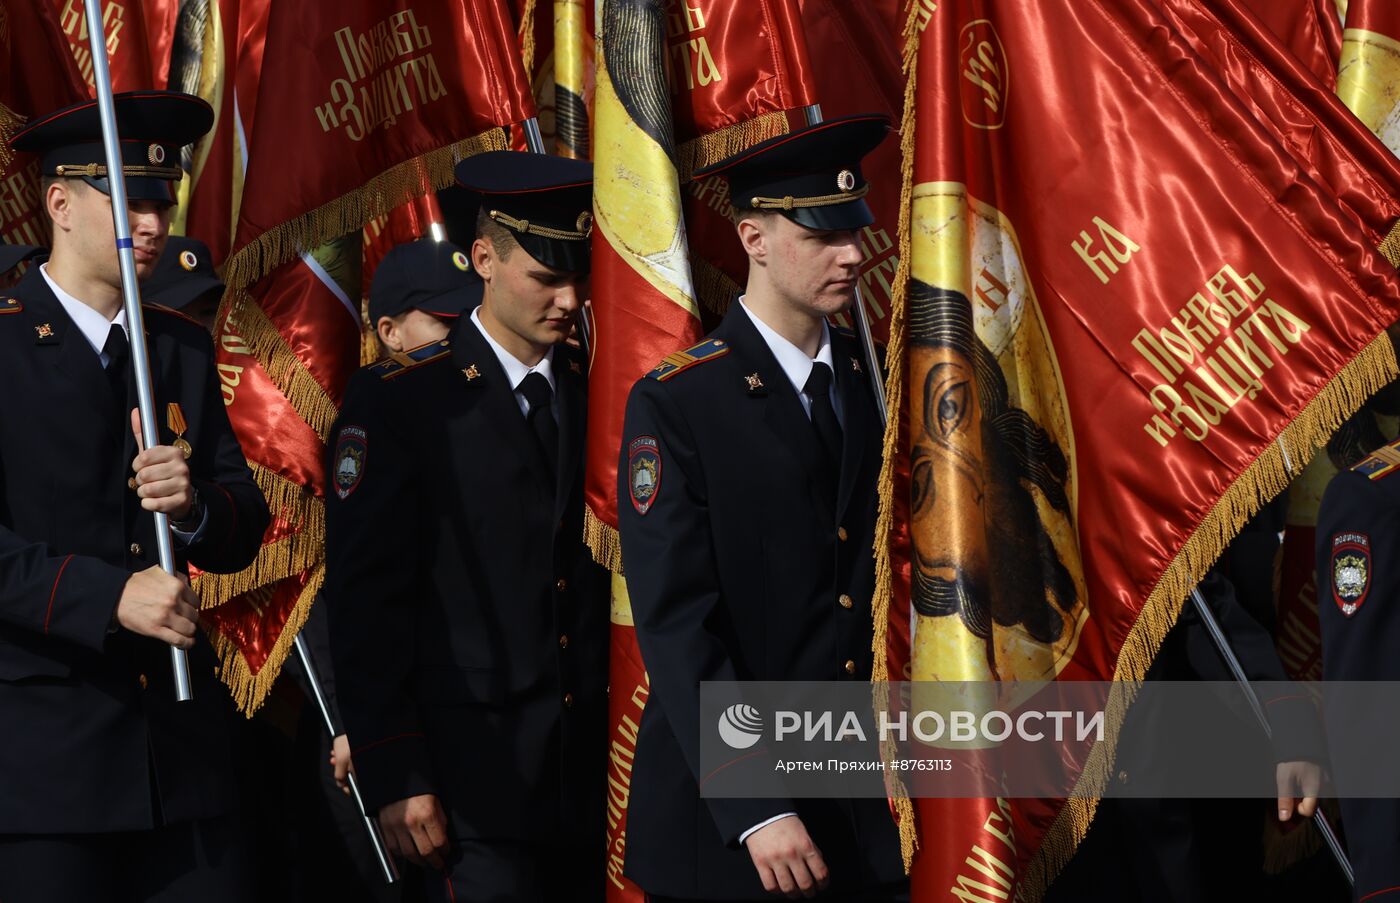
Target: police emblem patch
(1351, 571)
(643, 472)
(351, 448)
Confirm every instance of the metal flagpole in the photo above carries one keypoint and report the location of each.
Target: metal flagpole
(862, 317)
(376, 840)
(131, 299)
(1222, 645)
(534, 140)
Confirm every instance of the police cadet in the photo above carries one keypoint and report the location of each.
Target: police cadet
(184, 280)
(468, 620)
(419, 290)
(113, 790)
(747, 504)
(1358, 535)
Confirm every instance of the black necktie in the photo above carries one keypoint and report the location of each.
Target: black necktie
(116, 349)
(540, 417)
(818, 389)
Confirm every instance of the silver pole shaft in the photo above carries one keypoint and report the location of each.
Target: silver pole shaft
(813, 115)
(1222, 645)
(131, 299)
(376, 840)
(534, 140)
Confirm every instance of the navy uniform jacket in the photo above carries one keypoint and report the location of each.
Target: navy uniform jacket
(741, 568)
(469, 624)
(1358, 585)
(91, 716)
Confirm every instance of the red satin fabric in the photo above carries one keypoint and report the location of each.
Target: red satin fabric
(138, 34)
(405, 223)
(1186, 126)
(757, 50)
(296, 165)
(630, 686)
(1309, 29)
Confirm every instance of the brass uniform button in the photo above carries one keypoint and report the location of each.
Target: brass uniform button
(564, 641)
(568, 700)
(845, 601)
(561, 585)
(841, 533)
(850, 666)
(131, 483)
(143, 681)
(136, 549)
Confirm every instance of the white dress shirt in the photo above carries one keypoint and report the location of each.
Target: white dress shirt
(517, 371)
(796, 364)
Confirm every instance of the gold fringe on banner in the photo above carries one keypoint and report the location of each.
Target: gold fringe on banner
(1389, 248)
(292, 554)
(527, 39)
(396, 185)
(698, 153)
(894, 402)
(286, 370)
(713, 287)
(603, 541)
(10, 122)
(250, 690)
(1266, 477)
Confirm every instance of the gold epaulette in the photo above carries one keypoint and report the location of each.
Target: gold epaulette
(678, 361)
(400, 362)
(1381, 462)
(10, 305)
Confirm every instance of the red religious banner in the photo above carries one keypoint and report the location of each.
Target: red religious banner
(379, 100)
(1130, 385)
(1309, 29)
(37, 75)
(138, 33)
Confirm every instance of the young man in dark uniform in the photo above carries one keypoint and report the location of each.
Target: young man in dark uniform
(747, 486)
(114, 791)
(415, 300)
(184, 280)
(468, 620)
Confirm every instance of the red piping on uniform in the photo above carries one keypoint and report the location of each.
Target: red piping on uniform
(451, 894)
(1377, 893)
(1282, 698)
(361, 749)
(54, 592)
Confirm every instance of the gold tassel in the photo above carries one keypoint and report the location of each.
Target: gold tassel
(286, 370)
(1389, 247)
(894, 396)
(1269, 474)
(250, 690)
(603, 541)
(527, 39)
(698, 153)
(397, 185)
(10, 122)
(713, 287)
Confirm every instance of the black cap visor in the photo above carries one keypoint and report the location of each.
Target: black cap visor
(833, 217)
(570, 256)
(138, 188)
(453, 303)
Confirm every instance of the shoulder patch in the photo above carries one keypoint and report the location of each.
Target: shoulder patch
(351, 454)
(400, 362)
(1351, 571)
(10, 305)
(161, 308)
(679, 361)
(1380, 463)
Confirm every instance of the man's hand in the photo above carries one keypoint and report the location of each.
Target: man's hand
(159, 606)
(162, 477)
(1299, 782)
(415, 829)
(787, 860)
(340, 762)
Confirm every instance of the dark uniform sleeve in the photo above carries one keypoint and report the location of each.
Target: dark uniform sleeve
(71, 597)
(1293, 720)
(372, 562)
(673, 583)
(236, 510)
